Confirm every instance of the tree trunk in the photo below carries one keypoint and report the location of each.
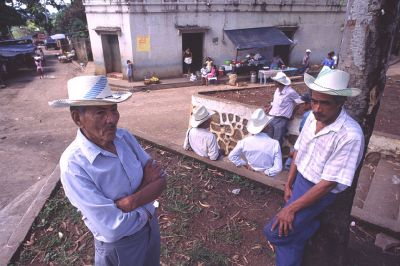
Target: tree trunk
(369, 31)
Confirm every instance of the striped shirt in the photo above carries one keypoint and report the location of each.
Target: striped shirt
(332, 154)
(284, 102)
(261, 152)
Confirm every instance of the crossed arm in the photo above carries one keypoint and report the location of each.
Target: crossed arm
(150, 189)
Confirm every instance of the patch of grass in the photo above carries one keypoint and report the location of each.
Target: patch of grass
(200, 253)
(230, 235)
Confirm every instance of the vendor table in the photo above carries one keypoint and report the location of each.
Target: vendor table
(263, 75)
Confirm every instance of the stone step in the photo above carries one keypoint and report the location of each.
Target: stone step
(382, 203)
(363, 185)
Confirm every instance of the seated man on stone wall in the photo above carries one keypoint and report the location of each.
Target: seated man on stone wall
(261, 152)
(199, 138)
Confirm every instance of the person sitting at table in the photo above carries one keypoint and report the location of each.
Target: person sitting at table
(213, 74)
(204, 74)
(209, 63)
(276, 62)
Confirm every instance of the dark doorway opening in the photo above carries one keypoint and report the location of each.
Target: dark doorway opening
(284, 50)
(194, 41)
(112, 56)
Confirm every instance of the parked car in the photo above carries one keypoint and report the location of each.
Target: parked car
(51, 43)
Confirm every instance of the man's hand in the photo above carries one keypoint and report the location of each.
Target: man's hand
(125, 203)
(284, 220)
(287, 193)
(151, 172)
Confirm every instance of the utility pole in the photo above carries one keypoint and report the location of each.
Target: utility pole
(369, 31)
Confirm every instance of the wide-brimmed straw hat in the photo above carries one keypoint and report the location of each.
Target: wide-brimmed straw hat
(90, 90)
(281, 78)
(332, 82)
(200, 115)
(308, 51)
(258, 121)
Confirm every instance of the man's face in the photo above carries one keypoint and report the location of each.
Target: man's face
(324, 107)
(279, 85)
(99, 123)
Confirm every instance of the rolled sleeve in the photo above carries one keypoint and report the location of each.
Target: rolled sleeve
(212, 148)
(277, 166)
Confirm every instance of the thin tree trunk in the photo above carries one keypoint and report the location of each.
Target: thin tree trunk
(369, 30)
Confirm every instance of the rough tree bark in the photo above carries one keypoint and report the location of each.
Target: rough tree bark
(365, 49)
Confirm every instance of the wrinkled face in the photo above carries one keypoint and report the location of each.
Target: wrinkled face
(98, 123)
(325, 107)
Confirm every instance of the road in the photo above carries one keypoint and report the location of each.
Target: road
(32, 137)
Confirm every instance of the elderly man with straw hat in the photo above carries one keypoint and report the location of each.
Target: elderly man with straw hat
(109, 178)
(282, 107)
(327, 154)
(199, 138)
(261, 153)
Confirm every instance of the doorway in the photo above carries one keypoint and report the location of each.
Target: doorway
(284, 50)
(112, 56)
(194, 41)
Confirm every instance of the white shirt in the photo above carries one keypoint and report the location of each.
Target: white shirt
(332, 154)
(261, 152)
(202, 142)
(284, 102)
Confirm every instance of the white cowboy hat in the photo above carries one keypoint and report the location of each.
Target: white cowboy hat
(332, 82)
(90, 90)
(258, 121)
(200, 115)
(281, 78)
(308, 51)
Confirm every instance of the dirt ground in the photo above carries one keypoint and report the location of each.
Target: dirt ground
(386, 120)
(202, 223)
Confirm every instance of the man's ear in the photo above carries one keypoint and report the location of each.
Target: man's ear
(76, 116)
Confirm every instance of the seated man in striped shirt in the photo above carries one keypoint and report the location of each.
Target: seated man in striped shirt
(261, 153)
(327, 154)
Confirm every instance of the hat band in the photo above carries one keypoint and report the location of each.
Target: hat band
(97, 89)
(202, 117)
(329, 89)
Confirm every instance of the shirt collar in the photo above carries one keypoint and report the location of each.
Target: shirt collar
(336, 125)
(91, 150)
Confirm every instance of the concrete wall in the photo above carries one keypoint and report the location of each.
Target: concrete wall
(318, 23)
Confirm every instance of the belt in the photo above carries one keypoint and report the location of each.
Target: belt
(283, 117)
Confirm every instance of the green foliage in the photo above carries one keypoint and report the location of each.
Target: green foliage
(72, 20)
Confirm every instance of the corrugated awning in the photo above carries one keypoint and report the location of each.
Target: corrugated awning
(257, 37)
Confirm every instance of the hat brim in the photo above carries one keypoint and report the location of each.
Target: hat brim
(117, 97)
(196, 123)
(347, 92)
(286, 82)
(255, 129)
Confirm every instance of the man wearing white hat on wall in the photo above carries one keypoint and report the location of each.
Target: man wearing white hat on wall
(305, 63)
(282, 106)
(109, 178)
(198, 137)
(327, 154)
(261, 153)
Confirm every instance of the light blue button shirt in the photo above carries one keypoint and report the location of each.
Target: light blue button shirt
(94, 178)
(261, 152)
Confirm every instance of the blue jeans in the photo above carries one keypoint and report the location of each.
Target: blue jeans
(277, 128)
(141, 248)
(289, 249)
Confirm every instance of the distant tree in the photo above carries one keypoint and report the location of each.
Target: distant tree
(72, 20)
(17, 12)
